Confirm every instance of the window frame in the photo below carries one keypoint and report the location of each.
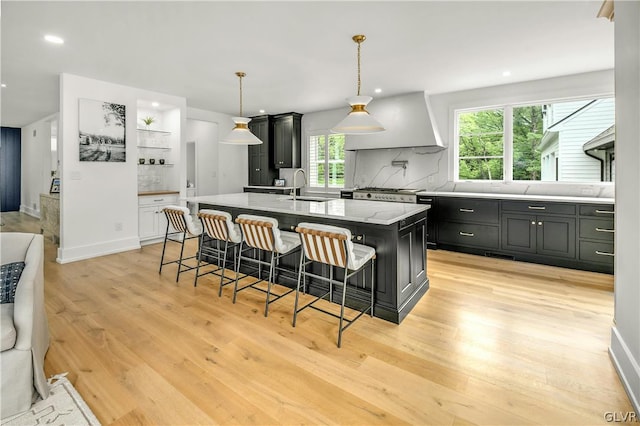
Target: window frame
(507, 164)
(325, 188)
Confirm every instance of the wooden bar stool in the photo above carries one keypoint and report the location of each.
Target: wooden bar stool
(217, 227)
(180, 228)
(262, 233)
(332, 245)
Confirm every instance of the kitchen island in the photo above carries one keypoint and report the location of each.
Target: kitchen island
(396, 230)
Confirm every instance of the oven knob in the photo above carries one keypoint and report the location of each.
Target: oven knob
(368, 195)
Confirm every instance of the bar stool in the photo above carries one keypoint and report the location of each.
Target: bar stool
(217, 226)
(332, 245)
(180, 228)
(262, 233)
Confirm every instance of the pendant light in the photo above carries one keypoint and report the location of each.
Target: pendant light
(359, 121)
(241, 135)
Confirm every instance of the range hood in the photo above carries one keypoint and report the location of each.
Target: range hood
(409, 122)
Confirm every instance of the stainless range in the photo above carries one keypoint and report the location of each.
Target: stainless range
(396, 195)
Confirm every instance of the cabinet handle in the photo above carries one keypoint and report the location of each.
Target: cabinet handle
(466, 234)
(257, 170)
(466, 210)
(359, 238)
(605, 211)
(604, 253)
(533, 222)
(537, 208)
(605, 230)
(292, 227)
(539, 223)
(161, 199)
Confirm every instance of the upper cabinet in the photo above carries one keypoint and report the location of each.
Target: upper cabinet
(287, 137)
(261, 169)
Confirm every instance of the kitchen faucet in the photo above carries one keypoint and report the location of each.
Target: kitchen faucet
(293, 191)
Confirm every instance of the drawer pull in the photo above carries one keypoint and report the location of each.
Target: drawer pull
(605, 230)
(466, 210)
(533, 222)
(466, 234)
(161, 199)
(537, 208)
(605, 211)
(604, 253)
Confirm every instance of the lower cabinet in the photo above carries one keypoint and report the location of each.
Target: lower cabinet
(543, 235)
(152, 223)
(412, 239)
(563, 234)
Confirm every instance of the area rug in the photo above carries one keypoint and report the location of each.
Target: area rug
(64, 406)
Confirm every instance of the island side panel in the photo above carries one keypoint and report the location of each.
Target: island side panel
(392, 260)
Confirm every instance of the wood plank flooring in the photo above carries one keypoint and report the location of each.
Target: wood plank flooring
(493, 342)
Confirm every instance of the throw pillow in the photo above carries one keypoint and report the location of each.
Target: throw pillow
(10, 275)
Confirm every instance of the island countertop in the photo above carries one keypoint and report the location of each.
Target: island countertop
(362, 211)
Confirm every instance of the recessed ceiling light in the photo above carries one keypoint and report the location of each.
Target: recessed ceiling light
(3, 85)
(155, 104)
(378, 90)
(506, 73)
(54, 39)
(262, 111)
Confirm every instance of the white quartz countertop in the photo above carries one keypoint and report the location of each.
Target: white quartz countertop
(373, 212)
(502, 196)
(269, 187)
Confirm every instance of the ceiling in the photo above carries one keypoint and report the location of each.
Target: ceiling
(298, 55)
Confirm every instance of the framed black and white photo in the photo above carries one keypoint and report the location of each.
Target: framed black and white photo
(101, 134)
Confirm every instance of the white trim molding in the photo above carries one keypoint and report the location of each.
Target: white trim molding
(626, 366)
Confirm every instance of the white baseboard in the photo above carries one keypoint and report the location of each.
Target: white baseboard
(31, 212)
(627, 367)
(73, 254)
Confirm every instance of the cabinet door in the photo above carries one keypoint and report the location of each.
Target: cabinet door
(254, 167)
(556, 236)
(405, 269)
(282, 135)
(418, 251)
(519, 232)
(148, 222)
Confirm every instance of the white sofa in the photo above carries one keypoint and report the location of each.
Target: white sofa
(24, 327)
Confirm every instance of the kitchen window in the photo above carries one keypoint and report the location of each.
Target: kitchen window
(326, 160)
(570, 141)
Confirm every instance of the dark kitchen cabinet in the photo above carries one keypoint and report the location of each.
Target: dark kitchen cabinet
(261, 170)
(469, 222)
(287, 139)
(412, 246)
(431, 219)
(596, 233)
(540, 234)
(10, 169)
(526, 229)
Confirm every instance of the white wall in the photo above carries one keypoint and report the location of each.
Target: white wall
(205, 136)
(232, 160)
(99, 200)
(36, 164)
(625, 333)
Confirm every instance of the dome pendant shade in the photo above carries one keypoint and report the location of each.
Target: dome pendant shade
(241, 135)
(359, 121)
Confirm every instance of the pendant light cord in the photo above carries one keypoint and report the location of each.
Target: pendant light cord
(359, 44)
(240, 77)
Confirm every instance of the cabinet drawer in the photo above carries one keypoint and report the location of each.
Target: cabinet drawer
(157, 200)
(597, 229)
(466, 234)
(597, 210)
(469, 210)
(536, 207)
(596, 252)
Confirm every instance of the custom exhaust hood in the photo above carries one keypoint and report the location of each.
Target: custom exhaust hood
(409, 122)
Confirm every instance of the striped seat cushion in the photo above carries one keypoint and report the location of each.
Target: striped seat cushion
(218, 225)
(181, 220)
(332, 245)
(262, 232)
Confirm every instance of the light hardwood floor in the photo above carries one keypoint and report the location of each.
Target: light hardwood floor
(492, 342)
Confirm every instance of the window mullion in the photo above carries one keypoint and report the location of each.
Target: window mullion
(508, 144)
